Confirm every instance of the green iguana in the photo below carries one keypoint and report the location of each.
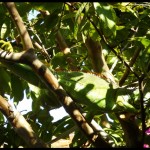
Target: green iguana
(85, 88)
(94, 92)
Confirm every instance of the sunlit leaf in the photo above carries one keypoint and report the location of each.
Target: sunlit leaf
(3, 31)
(107, 18)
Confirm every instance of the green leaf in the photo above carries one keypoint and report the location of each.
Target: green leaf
(48, 99)
(36, 103)
(3, 31)
(1, 118)
(145, 42)
(78, 140)
(78, 14)
(68, 16)
(46, 129)
(17, 88)
(22, 71)
(107, 18)
(43, 115)
(61, 125)
(51, 20)
(4, 81)
(59, 61)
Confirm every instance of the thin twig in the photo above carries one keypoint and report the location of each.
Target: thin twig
(132, 61)
(40, 46)
(143, 115)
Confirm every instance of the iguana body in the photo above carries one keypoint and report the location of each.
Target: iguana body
(94, 92)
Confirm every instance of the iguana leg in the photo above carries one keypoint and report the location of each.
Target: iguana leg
(6, 45)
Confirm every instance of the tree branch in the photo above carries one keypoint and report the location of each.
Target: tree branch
(10, 56)
(62, 43)
(131, 131)
(143, 114)
(127, 71)
(20, 125)
(25, 38)
(97, 58)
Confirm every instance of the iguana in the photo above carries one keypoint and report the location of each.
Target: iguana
(94, 92)
(85, 88)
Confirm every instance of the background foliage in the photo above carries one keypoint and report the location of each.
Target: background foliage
(125, 27)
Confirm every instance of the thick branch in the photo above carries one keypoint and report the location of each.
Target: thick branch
(97, 58)
(131, 131)
(95, 54)
(10, 56)
(20, 125)
(26, 41)
(62, 43)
